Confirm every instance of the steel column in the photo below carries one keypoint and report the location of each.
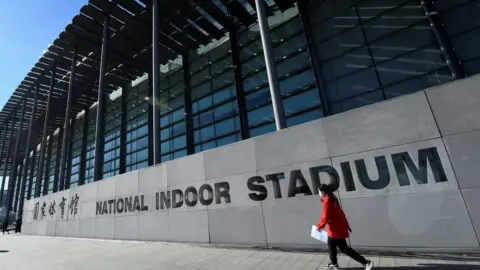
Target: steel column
(150, 122)
(314, 59)
(156, 79)
(18, 186)
(100, 126)
(58, 160)
(4, 141)
(27, 154)
(83, 155)
(14, 171)
(46, 176)
(44, 136)
(188, 104)
(32, 170)
(5, 166)
(66, 125)
(277, 102)
(442, 39)
(237, 69)
(68, 173)
(123, 131)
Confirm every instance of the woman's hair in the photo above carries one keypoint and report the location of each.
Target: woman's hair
(328, 190)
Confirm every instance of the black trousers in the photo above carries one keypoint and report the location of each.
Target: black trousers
(344, 248)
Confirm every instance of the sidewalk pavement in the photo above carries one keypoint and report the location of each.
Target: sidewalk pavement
(18, 252)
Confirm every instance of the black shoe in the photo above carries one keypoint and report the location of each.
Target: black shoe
(369, 265)
(331, 266)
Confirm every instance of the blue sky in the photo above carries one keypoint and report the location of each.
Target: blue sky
(26, 29)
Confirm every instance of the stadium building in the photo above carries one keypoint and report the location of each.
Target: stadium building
(215, 121)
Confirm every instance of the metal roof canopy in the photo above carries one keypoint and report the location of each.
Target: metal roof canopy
(185, 25)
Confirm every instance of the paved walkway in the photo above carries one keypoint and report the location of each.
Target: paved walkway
(19, 252)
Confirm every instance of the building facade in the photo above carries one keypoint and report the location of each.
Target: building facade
(352, 79)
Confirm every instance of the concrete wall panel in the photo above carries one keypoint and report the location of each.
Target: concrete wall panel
(421, 220)
(230, 160)
(390, 183)
(73, 228)
(153, 226)
(50, 228)
(472, 199)
(61, 228)
(26, 228)
(126, 228)
(464, 152)
(87, 227)
(291, 146)
(86, 192)
(185, 170)
(238, 225)
(126, 184)
(456, 106)
(104, 227)
(152, 178)
(106, 188)
(190, 197)
(238, 191)
(88, 210)
(189, 226)
(41, 228)
(288, 222)
(381, 125)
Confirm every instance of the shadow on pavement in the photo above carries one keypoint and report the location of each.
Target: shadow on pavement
(425, 266)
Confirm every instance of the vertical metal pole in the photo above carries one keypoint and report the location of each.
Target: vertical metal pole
(314, 59)
(188, 104)
(31, 174)
(17, 189)
(83, 155)
(44, 136)
(14, 171)
(237, 69)
(57, 160)
(442, 39)
(68, 173)
(47, 166)
(66, 124)
(4, 141)
(100, 127)
(150, 122)
(156, 80)
(5, 166)
(27, 154)
(123, 131)
(277, 103)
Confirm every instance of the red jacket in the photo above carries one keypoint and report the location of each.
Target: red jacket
(334, 218)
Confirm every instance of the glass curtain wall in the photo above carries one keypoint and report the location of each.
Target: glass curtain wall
(301, 99)
(214, 105)
(462, 23)
(29, 169)
(113, 115)
(52, 162)
(35, 169)
(137, 126)
(373, 50)
(89, 161)
(45, 160)
(76, 145)
(172, 112)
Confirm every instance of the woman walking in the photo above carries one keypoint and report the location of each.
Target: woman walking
(337, 228)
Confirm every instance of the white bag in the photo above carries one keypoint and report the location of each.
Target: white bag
(319, 235)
